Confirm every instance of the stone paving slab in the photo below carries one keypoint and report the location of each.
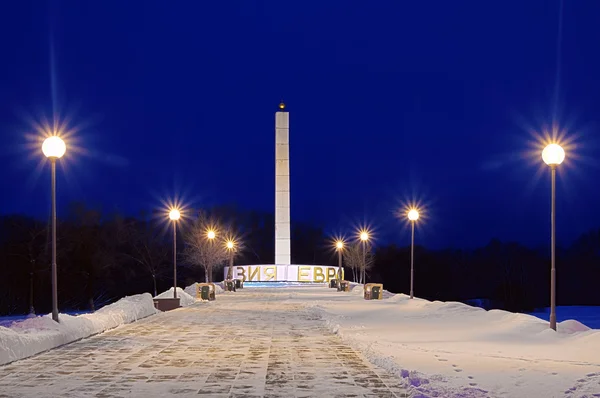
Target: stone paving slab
(245, 344)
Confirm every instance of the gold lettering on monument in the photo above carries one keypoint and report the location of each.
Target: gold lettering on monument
(318, 275)
(256, 273)
(270, 273)
(241, 271)
(330, 274)
(303, 274)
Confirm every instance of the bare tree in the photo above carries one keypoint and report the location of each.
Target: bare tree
(33, 248)
(94, 247)
(353, 258)
(202, 251)
(147, 248)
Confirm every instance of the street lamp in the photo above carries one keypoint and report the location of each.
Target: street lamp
(54, 148)
(413, 216)
(210, 234)
(174, 215)
(230, 246)
(553, 155)
(339, 245)
(364, 237)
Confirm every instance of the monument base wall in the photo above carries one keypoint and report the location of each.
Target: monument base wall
(284, 273)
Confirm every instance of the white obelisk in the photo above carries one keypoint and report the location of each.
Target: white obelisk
(282, 188)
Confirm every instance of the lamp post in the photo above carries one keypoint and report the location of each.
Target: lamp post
(230, 246)
(54, 148)
(553, 155)
(174, 215)
(339, 245)
(364, 237)
(210, 234)
(413, 216)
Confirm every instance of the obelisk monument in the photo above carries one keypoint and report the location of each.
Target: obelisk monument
(283, 270)
(282, 187)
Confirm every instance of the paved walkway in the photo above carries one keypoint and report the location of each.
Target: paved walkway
(244, 344)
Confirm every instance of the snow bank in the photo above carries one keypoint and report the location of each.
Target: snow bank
(8, 320)
(450, 349)
(41, 333)
(588, 315)
(357, 289)
(191, 289)
(185, 298)
(219, 288)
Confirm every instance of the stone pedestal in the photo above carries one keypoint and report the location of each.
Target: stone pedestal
(166, 304)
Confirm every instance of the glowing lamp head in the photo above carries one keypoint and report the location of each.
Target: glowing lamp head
(364, 236)
(339, 245)
(229, 244)
(210, 234)
(174, 214)
(413, 215)
(553, 154)
(54, 147)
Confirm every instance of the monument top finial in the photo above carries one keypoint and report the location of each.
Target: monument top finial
(281, 105)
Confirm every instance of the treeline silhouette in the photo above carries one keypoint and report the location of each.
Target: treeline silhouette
(105, 256)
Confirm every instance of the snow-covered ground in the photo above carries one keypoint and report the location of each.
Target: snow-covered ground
(26, 335)
(435, 349)
(454, 350)
(251, 343)
(34, 335)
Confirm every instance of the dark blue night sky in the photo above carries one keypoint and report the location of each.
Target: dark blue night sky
(389, 100)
